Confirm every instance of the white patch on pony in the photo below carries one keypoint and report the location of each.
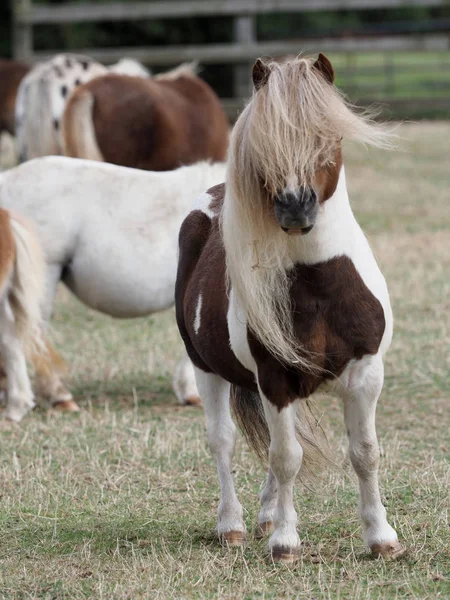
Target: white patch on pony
(198, 310)
(202, 203)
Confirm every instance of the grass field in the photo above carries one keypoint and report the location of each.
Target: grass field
(119, 501)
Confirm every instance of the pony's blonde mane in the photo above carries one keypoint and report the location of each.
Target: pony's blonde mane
(293, 124)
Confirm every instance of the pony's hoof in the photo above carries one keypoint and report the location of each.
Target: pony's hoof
(233, 538)
(282, 554)
(66, 406)
(391, 550)
(192, 401)
(263, 529)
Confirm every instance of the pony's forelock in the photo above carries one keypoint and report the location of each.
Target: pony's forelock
(292, 124)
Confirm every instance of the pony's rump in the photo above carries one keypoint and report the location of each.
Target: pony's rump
(156, 124)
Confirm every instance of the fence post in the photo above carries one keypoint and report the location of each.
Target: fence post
(244, 33)
(22, 29)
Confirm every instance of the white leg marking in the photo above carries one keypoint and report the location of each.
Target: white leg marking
(184, 384)
(20, 396)
(198, 310)
(215, 395)
(363, 381)
(285, 459)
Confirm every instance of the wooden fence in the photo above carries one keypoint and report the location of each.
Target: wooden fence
(240, 53)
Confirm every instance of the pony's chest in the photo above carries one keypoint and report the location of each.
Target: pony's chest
(335, 315)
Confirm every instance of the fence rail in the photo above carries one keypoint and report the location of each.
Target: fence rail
(241, 52)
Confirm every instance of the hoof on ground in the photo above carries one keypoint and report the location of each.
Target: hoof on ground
(392, 550)
(282, 554)
(192, 401)
(66, 406)
(263, 529)
(233, 538)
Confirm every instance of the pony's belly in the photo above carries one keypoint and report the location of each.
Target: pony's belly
(133, 291)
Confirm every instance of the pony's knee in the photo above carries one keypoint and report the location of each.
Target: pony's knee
(285, 461)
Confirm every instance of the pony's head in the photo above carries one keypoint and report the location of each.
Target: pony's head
(286, 145)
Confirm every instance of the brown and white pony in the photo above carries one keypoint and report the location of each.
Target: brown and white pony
(11, 74)
(278, 294)
(157, 124)
(21, 292)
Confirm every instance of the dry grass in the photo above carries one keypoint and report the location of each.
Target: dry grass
(119, 501)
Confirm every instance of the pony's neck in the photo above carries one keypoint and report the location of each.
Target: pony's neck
(333, 232)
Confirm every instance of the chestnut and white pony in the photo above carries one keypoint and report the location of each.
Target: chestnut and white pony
(278, 295)
(21, 293)
(44, 92)
(110, 234)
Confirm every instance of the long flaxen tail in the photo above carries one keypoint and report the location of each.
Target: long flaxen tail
(27, 288)
(78, 132)
(249, 412)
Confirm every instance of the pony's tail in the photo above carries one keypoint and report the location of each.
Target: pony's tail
(79, 139)
(27, 288)
(250, 417)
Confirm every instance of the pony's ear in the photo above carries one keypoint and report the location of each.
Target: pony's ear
(323, 65)
(260, 74)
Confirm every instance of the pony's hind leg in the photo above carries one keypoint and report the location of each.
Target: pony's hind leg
(184, 384)
(221, 430)
(285, 459)
(50, 366)
(363, 382)
(19, 395)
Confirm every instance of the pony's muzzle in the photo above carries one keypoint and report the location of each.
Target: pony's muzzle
(296, 212)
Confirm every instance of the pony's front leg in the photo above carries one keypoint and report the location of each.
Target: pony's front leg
(363, 382)
(285, 459)
(215, 394)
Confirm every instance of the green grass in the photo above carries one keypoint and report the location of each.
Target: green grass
(119, 501)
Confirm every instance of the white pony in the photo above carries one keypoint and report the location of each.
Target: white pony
(43, 94)
(110, 234)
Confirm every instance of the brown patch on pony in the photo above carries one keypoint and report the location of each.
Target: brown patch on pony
(201, 268)
(7, 249)
(327, 177)
(11, 74)
(336, 318)
(149, 123)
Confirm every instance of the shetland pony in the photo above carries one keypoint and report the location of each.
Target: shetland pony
(21, 292)
(11, 74)
(156, 124)
(110, 235)
(278, 294)
(43, 95)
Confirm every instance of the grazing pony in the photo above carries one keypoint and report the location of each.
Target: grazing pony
(110, 234)
(11, 74)
(21, 292)
(278, 294)
(157, 124)
(43, 95)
